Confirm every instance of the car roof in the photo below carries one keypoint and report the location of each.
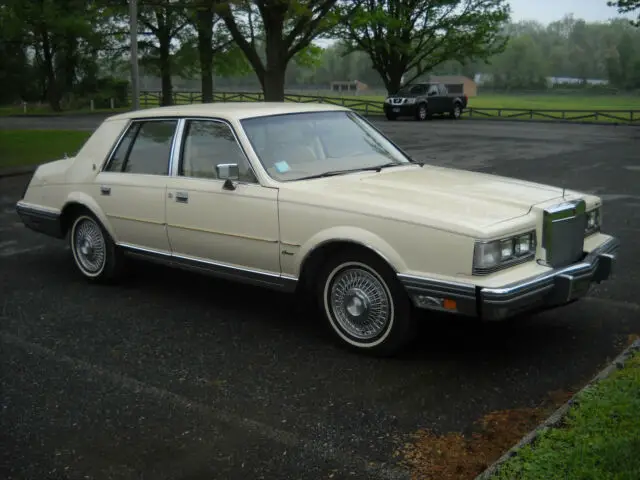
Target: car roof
(229, 110)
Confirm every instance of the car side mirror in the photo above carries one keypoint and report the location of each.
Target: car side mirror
(227, 171)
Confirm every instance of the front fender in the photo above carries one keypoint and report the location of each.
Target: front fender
(354, 235)
(88, 202)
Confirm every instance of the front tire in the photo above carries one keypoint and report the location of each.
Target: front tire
(94, 252)
(422, 113)
(364, 304)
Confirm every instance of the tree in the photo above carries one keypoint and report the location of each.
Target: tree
(212, 39)
(284, 27)
(56, 33)
(163, 23)
(627, 6)
(414, 36)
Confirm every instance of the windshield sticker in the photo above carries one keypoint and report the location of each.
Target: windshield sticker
(282, 167)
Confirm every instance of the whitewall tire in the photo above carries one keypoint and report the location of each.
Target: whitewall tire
(94, 253)
(364, 304)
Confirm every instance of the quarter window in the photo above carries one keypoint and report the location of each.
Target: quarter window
(208, 144)
(119, 156)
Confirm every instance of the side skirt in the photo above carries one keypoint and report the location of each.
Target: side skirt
(227, 272)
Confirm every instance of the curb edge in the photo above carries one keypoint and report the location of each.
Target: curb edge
(557, 416)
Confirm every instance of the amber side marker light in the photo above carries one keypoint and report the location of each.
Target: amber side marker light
(448, 304)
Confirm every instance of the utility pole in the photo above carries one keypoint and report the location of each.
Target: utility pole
(135, 80)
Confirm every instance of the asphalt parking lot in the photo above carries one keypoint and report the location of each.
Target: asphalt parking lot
(176, 376)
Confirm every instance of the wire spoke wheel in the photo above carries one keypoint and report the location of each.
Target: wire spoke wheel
(89, 246)
(360, 303)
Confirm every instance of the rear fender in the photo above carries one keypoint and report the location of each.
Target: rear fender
(88, 202)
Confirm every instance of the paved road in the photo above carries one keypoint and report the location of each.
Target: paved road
(174, 375)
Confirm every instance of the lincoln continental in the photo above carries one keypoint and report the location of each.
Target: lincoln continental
(314, 200)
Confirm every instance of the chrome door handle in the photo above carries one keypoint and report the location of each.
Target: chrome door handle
(182, 197)
(104, 190)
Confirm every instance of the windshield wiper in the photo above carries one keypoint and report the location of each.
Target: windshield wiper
(332, 173)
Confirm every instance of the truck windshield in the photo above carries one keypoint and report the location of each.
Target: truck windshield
(413, 89)
(300, 145)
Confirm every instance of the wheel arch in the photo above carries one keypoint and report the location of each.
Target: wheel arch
(314, 253)
(77, 201)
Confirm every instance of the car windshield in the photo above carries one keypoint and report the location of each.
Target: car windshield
(302, 145)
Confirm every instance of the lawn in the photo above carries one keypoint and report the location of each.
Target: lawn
(599, 440)
(29, 147)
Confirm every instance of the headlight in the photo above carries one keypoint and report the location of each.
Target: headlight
(594, 222)
(491, 256)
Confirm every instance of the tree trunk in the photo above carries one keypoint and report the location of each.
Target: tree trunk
(273, 85)
(392, 80)
(53, 92)
(165, 69)
(274, 75)
(205, 50)
(70, 61)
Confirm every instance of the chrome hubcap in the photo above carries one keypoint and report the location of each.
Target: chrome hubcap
(360, 303)
(89, 246)
(423, 112)
(456, 111)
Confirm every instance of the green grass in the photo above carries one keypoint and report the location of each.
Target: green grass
(600, 440)
(29, 147)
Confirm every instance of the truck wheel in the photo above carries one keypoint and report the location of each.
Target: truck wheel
(364, 304)
(422, 112)
(457, 111)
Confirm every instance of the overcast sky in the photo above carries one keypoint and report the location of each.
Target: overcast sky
(546, 11)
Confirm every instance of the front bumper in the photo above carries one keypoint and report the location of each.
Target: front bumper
(403, 110)
(551, 289)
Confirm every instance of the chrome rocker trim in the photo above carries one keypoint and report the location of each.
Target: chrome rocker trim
(281, 282)
(557, 287)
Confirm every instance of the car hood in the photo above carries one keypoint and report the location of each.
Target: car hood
(440, 197)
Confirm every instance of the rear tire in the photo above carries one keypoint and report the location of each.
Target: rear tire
(456, 112)
(364, 304)
(95, 254)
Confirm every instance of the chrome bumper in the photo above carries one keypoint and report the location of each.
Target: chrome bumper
(554, 288)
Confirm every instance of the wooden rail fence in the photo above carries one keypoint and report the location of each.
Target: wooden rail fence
(374, 107)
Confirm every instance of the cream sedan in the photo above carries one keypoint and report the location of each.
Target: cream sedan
(312, 198)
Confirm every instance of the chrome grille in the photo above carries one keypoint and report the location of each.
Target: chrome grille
(563, 233)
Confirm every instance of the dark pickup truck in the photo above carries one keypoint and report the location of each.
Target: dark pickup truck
(421, 100)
